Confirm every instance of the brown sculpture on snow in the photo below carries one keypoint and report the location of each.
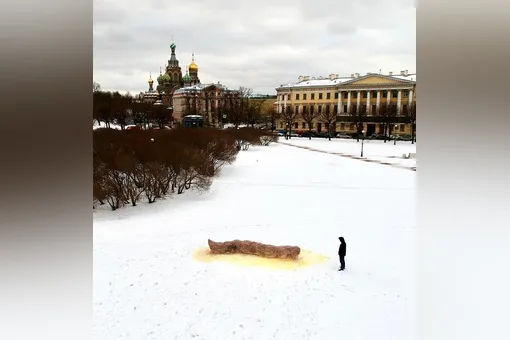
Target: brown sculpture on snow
(254, 248)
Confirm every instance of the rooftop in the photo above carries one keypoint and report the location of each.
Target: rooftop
(335, 79)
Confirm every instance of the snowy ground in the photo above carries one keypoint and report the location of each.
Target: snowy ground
(149, 285)
(375, 150)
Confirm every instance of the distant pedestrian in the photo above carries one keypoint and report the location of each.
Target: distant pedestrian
(342, 250)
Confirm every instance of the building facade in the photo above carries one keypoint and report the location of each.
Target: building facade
(374, 103)
(214, 102)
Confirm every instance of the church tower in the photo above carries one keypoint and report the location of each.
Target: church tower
(172, 78)
(193, 71)
(173, 69)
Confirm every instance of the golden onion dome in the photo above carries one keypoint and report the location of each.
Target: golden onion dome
(193, 66)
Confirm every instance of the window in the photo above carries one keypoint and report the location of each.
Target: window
(304, 109)
(312, 109)
(363, 109)
(281, 125)
(355, 95)
(385, 94)
(328, 108)
(319, 109)
(374, 94)
(406, 93)
(296, 125)
(346, 95)
(320, 96)
(310, 126)
(328, 95)
(303, 125)
(345, 108)
(402, 127)
(394, 94)
(296, 109)
(304, 96)
(404, 109)
(365, 94)
(374, 109)
(326, 125)
(342, 126)
(297, 96)
(336, 95)
(335, 109)
(312, 96)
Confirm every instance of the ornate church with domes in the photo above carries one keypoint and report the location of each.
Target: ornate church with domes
(186, 95)
(171, 80)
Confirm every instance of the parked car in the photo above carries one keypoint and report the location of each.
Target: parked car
(343, 136)
(132, 127)
(376, 136)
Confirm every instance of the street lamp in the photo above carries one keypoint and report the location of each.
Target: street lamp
(362, 140)
(395, 135)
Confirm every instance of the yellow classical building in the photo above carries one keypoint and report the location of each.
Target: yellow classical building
(375, 103)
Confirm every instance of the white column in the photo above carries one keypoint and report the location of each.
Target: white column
(399, 101)
(339, 103)
(278, 103)
(285, 101)
(369, 107)
(358, 102)
(410, 96)
(378, 103)
(348, 101)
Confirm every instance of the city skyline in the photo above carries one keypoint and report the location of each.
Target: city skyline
(259, 46)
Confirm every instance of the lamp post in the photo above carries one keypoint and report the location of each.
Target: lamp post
(362, 140)
(395, 135)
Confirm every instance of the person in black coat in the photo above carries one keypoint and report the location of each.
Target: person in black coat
(342, 252)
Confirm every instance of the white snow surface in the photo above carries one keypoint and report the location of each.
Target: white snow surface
(372, 149)
(148, 285)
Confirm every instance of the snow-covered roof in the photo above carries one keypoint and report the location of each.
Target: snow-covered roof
(324, 82)
(411, 77)
(318, 82)
(200, 87)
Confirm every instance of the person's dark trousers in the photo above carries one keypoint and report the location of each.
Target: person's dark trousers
(342, 262)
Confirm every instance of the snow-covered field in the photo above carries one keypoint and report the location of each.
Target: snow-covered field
(149, 283)
(372, 149)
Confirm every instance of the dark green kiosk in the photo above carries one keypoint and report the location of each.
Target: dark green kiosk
(193, 121)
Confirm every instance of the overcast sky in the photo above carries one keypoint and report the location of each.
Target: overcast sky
(257, 44)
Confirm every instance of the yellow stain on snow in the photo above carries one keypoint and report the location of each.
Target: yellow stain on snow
(306, 258)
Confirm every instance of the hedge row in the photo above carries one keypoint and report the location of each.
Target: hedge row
(133, 165)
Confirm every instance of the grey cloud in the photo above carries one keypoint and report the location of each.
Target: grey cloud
(256, 44)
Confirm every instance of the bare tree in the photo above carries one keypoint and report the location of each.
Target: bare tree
(309, 116)
(328, 117)
(411, 114)
(140, 112)
(289, 117)
(358, 115)
(387, 113)
(161, 114)
(121, 108)
(103, 107)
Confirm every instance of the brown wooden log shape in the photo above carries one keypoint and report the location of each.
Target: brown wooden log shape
(254, 248)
